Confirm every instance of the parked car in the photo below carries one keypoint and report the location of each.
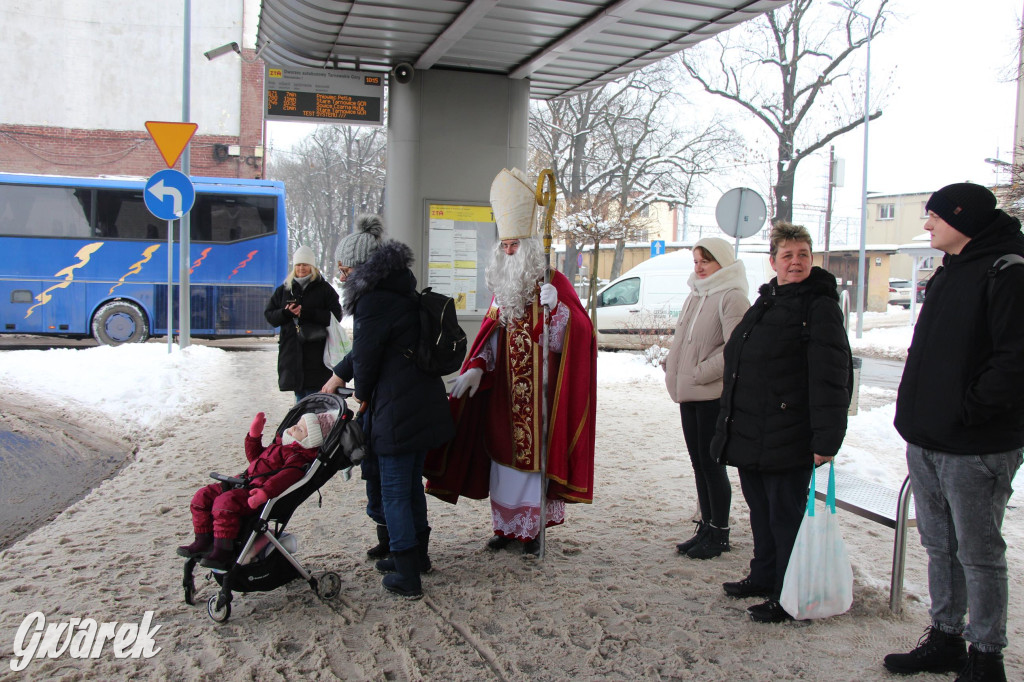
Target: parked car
(921, 286)
(899, 292)
(639, 309)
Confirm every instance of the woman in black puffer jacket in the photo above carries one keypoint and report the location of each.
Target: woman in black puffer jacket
(305, 299)
(407, 409)
(784, 406)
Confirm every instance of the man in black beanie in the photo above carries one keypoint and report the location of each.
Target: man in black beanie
(960, 408)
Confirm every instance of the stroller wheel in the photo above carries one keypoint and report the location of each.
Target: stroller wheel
(328, 586)
(218, 615)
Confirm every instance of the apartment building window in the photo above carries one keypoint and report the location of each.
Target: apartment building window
(886, 211)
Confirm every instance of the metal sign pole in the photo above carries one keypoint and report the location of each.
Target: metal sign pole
(170, 286)
(185, 233)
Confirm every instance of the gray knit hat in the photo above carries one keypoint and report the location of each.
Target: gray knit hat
(356, 248)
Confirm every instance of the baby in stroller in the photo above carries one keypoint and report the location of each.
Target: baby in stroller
(218, 509)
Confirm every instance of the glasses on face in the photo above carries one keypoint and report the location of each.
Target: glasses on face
(343, 272)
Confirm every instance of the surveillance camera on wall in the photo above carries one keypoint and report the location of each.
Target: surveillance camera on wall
(403, 73)
(222, 50)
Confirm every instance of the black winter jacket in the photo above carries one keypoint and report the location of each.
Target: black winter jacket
(962, 390)
(301, 365)
(787, 366)
(408, 407)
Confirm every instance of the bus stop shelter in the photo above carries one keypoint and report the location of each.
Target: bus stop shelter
(461, 112)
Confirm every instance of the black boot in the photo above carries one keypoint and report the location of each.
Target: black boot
(222, 556)
(406, 582)
(698, 534)
(983, 666)
(532, 546)
(936, 652)
(714, 543)
(498, 542)
(422, 548)
(383, 548)
(199, 548)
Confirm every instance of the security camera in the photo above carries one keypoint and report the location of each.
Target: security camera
(222, 50)
(403, 73)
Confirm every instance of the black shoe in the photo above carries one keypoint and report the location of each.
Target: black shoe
(936, 652)
(746, 588)
(770, 611)
(698, 534)
(983, 666)
(498, 542)
(532, 546)
(714, 543)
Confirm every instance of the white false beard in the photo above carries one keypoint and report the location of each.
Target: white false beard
(513, 279)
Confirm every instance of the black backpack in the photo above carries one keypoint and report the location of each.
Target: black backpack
(441, 348)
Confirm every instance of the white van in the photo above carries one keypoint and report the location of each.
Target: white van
(640, 308)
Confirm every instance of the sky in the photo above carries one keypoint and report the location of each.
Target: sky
(941, 74)
(141, 386)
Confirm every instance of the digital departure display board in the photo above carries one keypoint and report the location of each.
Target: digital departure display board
(324, 95)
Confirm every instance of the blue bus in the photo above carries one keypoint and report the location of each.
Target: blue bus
(84, 256)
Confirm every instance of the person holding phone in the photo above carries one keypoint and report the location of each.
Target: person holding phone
(302, 307)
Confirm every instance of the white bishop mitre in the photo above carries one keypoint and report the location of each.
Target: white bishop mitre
(514, 202)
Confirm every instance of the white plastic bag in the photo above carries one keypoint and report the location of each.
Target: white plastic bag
(337, 345)
(819, 578)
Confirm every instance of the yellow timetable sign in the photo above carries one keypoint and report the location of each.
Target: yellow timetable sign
(275, 73)
(470, 214)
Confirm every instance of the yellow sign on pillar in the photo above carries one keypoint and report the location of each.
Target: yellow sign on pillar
(171, 138)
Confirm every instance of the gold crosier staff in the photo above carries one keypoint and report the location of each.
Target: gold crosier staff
(547, 200)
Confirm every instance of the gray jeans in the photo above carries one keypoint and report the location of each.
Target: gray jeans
(960, 501)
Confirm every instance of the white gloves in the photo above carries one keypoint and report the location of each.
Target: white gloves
(468, 380)
(549, 296)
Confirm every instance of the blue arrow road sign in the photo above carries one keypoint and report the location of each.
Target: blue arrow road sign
(657, 247)
(169, 194)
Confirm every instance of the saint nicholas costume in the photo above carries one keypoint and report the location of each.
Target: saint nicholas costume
(496, 451)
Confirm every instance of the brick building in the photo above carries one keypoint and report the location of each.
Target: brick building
(83, 76)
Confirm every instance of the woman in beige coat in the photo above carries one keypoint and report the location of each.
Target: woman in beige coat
(693, 374)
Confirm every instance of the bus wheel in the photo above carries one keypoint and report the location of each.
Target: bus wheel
(119, 322)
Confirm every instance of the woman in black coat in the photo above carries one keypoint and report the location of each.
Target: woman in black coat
(784, 407)
(407, 409)
(305, 300)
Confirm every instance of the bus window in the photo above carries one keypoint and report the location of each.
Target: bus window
(123, 215)
(223, 218)
(44, 211)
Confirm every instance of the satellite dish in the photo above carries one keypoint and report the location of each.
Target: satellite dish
(741, 212)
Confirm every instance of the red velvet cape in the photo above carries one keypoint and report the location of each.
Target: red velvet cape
(461, 468)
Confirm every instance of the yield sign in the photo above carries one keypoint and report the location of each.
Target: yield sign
(171, 138)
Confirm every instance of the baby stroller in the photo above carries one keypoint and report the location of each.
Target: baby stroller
(263, 552)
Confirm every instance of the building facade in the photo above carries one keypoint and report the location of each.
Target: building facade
(89, 73)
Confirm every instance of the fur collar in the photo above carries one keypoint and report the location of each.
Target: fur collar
(390, 257)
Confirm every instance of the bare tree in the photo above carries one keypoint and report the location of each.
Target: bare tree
(619, 147)
(334, 174)
(594, 219)
(805, 53)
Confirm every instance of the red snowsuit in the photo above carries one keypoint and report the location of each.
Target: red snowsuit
(273, 469)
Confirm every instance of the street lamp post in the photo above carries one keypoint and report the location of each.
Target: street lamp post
(862, 256)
